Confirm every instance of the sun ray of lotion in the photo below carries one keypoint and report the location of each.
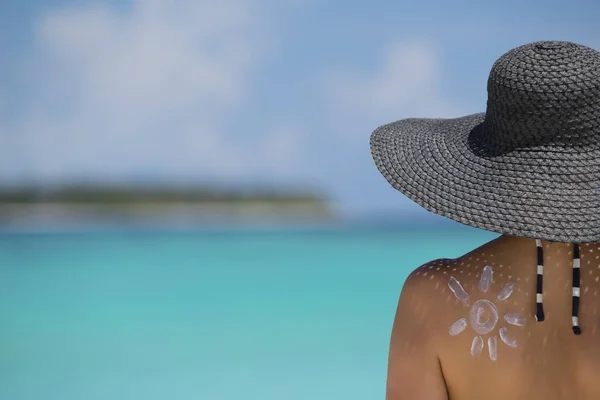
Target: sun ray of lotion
(493, 348)
(458, 290)
(515, 318)
(458, 327)
(506, 291)
(477, 346)
(506, 337)
(486, 278)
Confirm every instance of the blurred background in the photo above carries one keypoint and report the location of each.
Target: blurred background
(188, 206)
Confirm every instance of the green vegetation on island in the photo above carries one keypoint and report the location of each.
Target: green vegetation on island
(145, 195)
(143, 202)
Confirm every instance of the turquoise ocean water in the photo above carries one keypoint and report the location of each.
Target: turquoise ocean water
(216, 315)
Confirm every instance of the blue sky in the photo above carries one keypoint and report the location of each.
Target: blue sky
(247, 92)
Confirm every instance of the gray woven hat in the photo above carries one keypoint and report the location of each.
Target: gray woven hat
(529, 166)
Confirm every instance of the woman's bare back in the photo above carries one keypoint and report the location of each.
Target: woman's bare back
(489, 345)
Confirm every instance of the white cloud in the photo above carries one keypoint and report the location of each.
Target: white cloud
(163, 56)
(141, 92)
(405, 82)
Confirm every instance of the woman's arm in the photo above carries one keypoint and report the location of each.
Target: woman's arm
(414, 370)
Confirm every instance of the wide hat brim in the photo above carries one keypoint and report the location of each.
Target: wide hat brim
(544, 192)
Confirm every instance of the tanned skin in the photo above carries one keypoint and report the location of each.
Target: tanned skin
(549, 362)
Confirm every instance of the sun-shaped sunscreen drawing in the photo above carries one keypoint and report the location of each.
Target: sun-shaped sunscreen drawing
(483, 315)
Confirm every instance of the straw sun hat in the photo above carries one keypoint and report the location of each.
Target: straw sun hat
(529, 166)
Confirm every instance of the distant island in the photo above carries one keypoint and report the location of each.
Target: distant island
(162, 204)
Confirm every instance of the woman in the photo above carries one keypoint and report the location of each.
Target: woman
(516, 318)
